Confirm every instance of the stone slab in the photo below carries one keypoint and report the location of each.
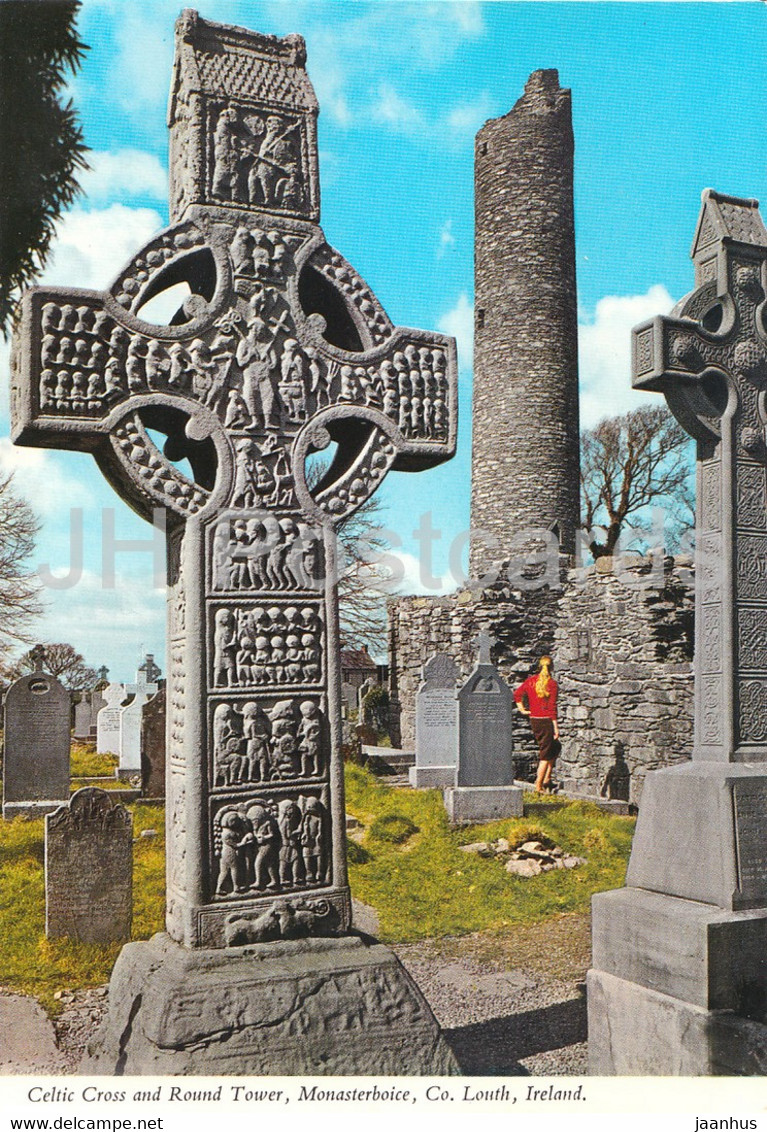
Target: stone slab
(36, 742)
(634, 1031)
(89, 869)
(467, 805)
(485, 709)
(298, 1007)
(153, 746)
(436, 713)
(431, 777)
(30, 811)
(700, 834)
(706, 956)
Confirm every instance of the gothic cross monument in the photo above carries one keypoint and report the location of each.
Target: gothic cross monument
(697, 878)
(278, 349)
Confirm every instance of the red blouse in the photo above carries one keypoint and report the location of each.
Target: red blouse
(539, 708)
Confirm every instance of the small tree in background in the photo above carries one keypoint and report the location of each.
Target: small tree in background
(62, 661)
(630, 464)
(20, 602)
(41, 143)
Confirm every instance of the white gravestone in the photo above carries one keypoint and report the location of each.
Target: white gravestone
(108, 722)
(130, 726)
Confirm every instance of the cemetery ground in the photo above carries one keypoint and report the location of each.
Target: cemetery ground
(501, 959)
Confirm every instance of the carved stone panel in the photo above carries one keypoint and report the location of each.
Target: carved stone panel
(752, 638)
(711, 732)
(749, 800)
(89, 869)
(750, 497)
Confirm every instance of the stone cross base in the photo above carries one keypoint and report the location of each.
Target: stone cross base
(31, 810)
(470, 805)
(431, 777)
(301, 1007)
(679, 978)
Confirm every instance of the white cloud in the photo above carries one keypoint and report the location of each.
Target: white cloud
(446, 238)
(605, 353)
(467, 117)
(459, 322)
(112, 626)
(41, 479)
(394, 110)
(125, 173)
(415, 577)
(92, 245)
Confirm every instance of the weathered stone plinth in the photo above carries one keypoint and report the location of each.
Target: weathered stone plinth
(467, 805)
(303, 1007)
(431, 777)
(679, 978)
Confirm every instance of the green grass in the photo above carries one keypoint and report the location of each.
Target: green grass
(406, 862)
(84, 762)
(427, 887)
(32, 964)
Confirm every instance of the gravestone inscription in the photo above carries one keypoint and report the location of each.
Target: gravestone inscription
(484, 776)
(37, 742)
(280, 350)
(436, 724)
(89, 869)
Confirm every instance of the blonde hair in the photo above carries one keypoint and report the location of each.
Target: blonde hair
(542, 689)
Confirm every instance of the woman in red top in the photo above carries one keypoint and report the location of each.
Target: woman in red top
(540, 691)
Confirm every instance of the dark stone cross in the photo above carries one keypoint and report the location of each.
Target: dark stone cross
(709, 358)
(278, 350)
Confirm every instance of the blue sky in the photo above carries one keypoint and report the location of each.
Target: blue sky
(665, 103)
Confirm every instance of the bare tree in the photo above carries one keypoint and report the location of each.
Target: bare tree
(361, 594)
(20, 602)
(628, 465)
(62, 661)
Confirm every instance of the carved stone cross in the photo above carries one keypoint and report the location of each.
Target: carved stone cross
(278, 350)
(484, 643)
(709, 358)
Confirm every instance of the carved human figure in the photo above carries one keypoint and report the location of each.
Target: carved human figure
(266, 838)
(256, 357)
(232, 838)
(293, 380)
(309, 737)
(255, 729)
(226, 155)
(291, 858)
(311, 840)
(225, 648)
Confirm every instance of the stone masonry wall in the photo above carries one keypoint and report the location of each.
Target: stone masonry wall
(621, 634)
(523, 624)
(623, 651)
(525, 458)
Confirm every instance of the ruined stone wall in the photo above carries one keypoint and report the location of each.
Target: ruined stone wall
(525, 460)
(621, 634)
(623, 648)
(522, 623)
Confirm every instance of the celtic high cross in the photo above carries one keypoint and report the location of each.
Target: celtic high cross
(278, 350)
(709, 358)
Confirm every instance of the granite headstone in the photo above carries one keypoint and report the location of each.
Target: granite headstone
(153, 721)
(484, 778)
(89, 869)
(108, 722)
(37, 743)
(436, 724)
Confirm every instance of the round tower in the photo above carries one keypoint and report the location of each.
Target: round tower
(525, 458)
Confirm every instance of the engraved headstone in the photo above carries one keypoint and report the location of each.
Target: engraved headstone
(678, 980)
(129, 741)
(108, 723)
(436, 724)
(82, 725)
(37, 743)
(89, 869)
(484, 774)
(280, 350)
(153, 721)
(97, 702)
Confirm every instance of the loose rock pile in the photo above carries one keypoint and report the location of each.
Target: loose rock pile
(527, 860)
